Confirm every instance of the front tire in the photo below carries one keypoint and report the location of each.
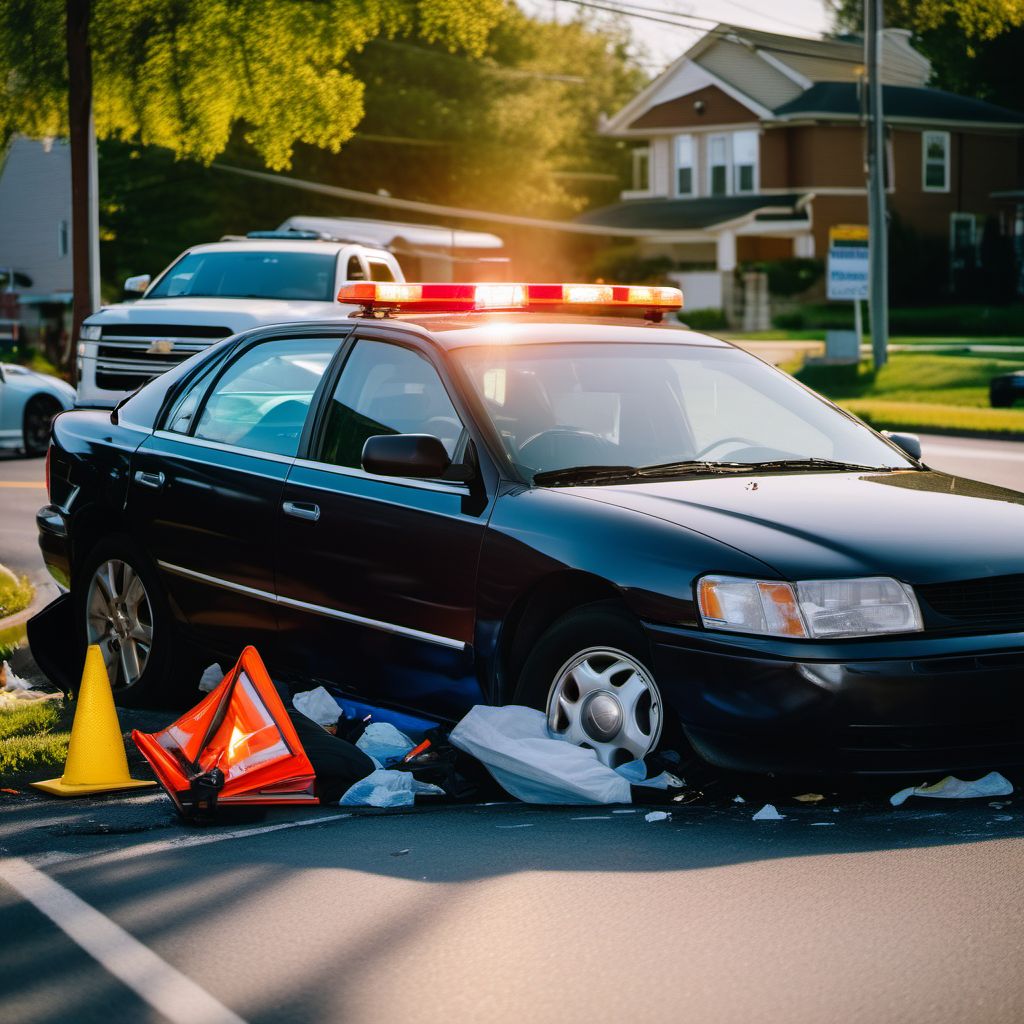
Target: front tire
(590, 674)
(120, 606)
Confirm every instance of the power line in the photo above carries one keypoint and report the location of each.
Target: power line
(652, 14)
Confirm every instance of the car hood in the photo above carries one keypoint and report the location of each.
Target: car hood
(238, 314)
(921, 527)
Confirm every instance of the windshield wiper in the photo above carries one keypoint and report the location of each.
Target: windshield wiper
(816, 463)
(583, 474)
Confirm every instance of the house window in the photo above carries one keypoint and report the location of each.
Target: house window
(641, 169)
(744, 160)
(684, 165)
(62, 239)
(935, 161)
(718, 165)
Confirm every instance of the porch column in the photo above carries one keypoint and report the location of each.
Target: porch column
(725, 244)
(803, 247)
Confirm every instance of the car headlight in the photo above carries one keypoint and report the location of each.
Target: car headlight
(90, 332)
(811, 609)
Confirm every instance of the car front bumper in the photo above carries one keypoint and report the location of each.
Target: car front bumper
(874, 706)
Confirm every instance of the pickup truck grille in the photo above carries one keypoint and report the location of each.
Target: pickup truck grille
(129, 355)
(995, 602)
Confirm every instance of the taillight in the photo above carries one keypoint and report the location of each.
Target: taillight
(49, 448)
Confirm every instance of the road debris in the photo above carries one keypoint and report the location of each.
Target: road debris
(768, 813)
(386, 788)
(211, 678)
(809, 798)
(658, 816)
(738, 799)
(952, 788)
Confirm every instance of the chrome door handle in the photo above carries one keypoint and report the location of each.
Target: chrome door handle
(154, 480)
(302, 510)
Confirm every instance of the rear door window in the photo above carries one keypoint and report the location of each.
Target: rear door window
(261, 401)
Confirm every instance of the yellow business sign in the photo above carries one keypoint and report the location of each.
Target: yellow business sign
(847, 233)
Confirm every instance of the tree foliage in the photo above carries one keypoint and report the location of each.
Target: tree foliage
(976, 46)
(182, 74)
(974, 19)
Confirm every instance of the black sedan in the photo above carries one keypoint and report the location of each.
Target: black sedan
(647, 532)
(1006, 389)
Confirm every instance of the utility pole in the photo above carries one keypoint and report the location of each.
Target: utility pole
(878, 227)
(83, 170)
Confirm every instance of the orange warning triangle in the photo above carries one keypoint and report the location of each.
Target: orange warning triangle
(241, 737)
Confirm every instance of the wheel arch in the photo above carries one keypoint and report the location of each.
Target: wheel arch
(533, 612)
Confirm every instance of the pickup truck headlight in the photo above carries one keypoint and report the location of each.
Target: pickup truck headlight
(90, 332)
(811, 609)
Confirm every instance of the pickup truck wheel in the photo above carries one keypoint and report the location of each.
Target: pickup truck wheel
(36, 422)
(588, 672)
(122, 608)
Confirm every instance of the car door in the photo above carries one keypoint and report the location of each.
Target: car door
(206, 488)
(376, 575)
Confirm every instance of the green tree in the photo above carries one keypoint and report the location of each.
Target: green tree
(976, 46)
(510, 129)
(181, 75)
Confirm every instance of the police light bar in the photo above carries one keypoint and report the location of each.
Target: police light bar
(452, 298)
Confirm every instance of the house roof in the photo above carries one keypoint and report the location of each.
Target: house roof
(898, 101)
(694, 214)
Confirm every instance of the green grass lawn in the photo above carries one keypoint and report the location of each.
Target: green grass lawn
(33, 736)
(896, 339)
(925, 391)
(16, 593)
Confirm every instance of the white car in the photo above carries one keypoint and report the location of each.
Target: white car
(28, 403)
(212, 291)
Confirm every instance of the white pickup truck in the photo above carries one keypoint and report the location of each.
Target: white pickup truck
(212, 291)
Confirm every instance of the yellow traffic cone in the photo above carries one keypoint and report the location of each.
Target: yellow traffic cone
(96, 759)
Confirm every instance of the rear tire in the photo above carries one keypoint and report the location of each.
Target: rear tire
(590, 673)
(36, 422)
(121, 606)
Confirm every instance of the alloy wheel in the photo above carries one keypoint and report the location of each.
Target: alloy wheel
(605, 699)
(119, 619)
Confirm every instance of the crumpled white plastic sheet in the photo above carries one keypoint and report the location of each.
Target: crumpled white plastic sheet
(384, 788)
(514, 744)
(317, 705)
(952, 788)
(383, 742)
(635, 772)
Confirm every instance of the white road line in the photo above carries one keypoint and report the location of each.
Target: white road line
(181, 843)
(154, 980)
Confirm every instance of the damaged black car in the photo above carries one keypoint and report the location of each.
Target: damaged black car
(647, 533)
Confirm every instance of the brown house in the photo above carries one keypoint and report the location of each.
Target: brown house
(751, 146)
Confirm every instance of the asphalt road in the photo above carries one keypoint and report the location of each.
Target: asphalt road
(847, 909)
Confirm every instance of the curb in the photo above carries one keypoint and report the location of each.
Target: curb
(46, 591)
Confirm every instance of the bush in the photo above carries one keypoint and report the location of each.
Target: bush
(623, 264)
(787, 278)
(703, 319)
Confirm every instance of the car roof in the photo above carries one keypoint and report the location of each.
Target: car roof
(280, 245)
(465, 330)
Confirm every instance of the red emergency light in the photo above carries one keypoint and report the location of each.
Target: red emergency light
(457, 298)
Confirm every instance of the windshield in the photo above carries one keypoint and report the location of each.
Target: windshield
(249, 275)
(640, 405)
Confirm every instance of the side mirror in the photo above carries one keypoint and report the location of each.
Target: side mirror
(909, 443)
(414, 455)
(138, 284)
